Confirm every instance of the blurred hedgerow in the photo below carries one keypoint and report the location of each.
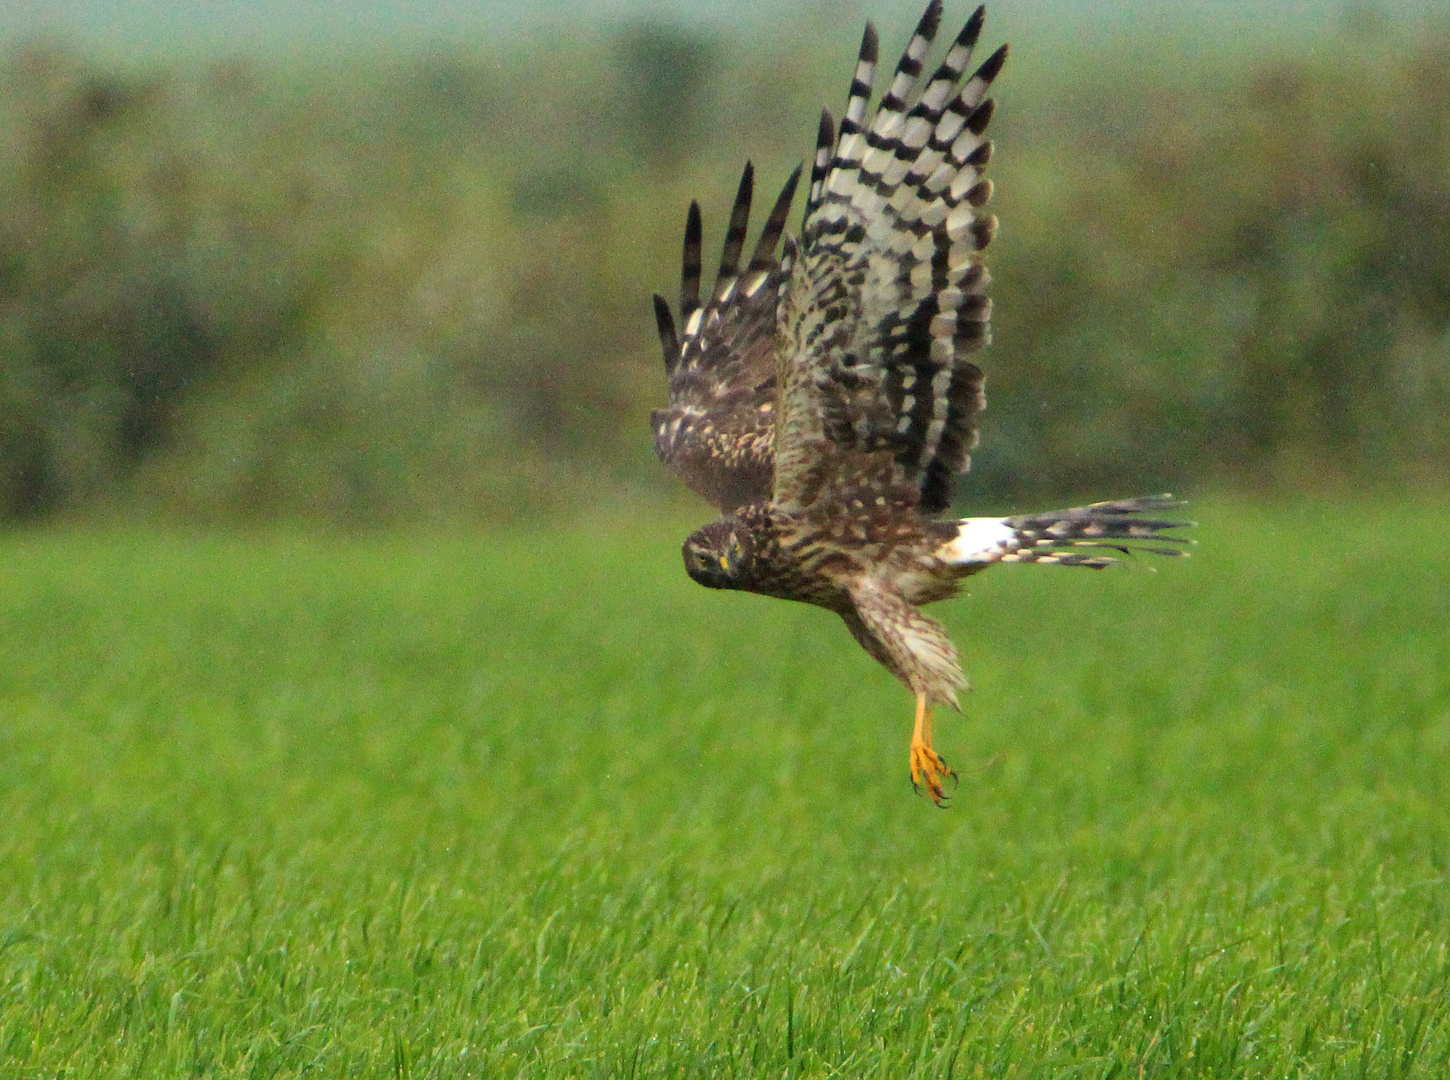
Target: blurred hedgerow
(416, 287)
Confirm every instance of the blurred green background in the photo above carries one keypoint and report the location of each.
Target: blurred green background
(391, 278)
(524, 801)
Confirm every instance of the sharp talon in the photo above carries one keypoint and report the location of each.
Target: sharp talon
(928, 771)
(927, 767)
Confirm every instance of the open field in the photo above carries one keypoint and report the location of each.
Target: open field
(535, 805)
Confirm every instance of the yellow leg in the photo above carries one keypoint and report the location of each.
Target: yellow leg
(927, 767)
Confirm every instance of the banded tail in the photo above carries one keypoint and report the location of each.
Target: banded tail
(1055, 536)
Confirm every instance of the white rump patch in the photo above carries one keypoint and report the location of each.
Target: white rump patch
(980, 540)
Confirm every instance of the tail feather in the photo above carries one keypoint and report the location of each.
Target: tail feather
(1053, 536)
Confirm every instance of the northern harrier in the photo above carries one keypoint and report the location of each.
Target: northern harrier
(823, 399)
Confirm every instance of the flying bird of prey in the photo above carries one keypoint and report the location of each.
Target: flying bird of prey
(823, 398)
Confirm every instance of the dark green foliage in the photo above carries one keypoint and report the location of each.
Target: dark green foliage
(403, 287)
(1248, 278)
(144, 245)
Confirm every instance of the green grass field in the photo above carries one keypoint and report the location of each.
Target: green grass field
(536, 805)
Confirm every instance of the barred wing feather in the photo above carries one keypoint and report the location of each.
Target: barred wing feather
(717, 431)
(886, 295)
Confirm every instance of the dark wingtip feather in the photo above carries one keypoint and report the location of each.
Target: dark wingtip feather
(821, 163)
(669, 341)
(690, 275)
(992, 65)
(825, 136)
(870, 44)
(981, 116)
(746, 191)
(735, 236)
(764, 256)
(973, 30)
(930, 21)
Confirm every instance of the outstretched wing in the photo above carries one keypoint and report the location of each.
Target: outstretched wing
(887, 293)
(718, 429)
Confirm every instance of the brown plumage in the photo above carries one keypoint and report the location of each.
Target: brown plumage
(823, 398)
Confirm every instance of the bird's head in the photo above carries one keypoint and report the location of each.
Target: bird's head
(718, 555)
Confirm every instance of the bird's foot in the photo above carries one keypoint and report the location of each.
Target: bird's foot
(929, 770)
